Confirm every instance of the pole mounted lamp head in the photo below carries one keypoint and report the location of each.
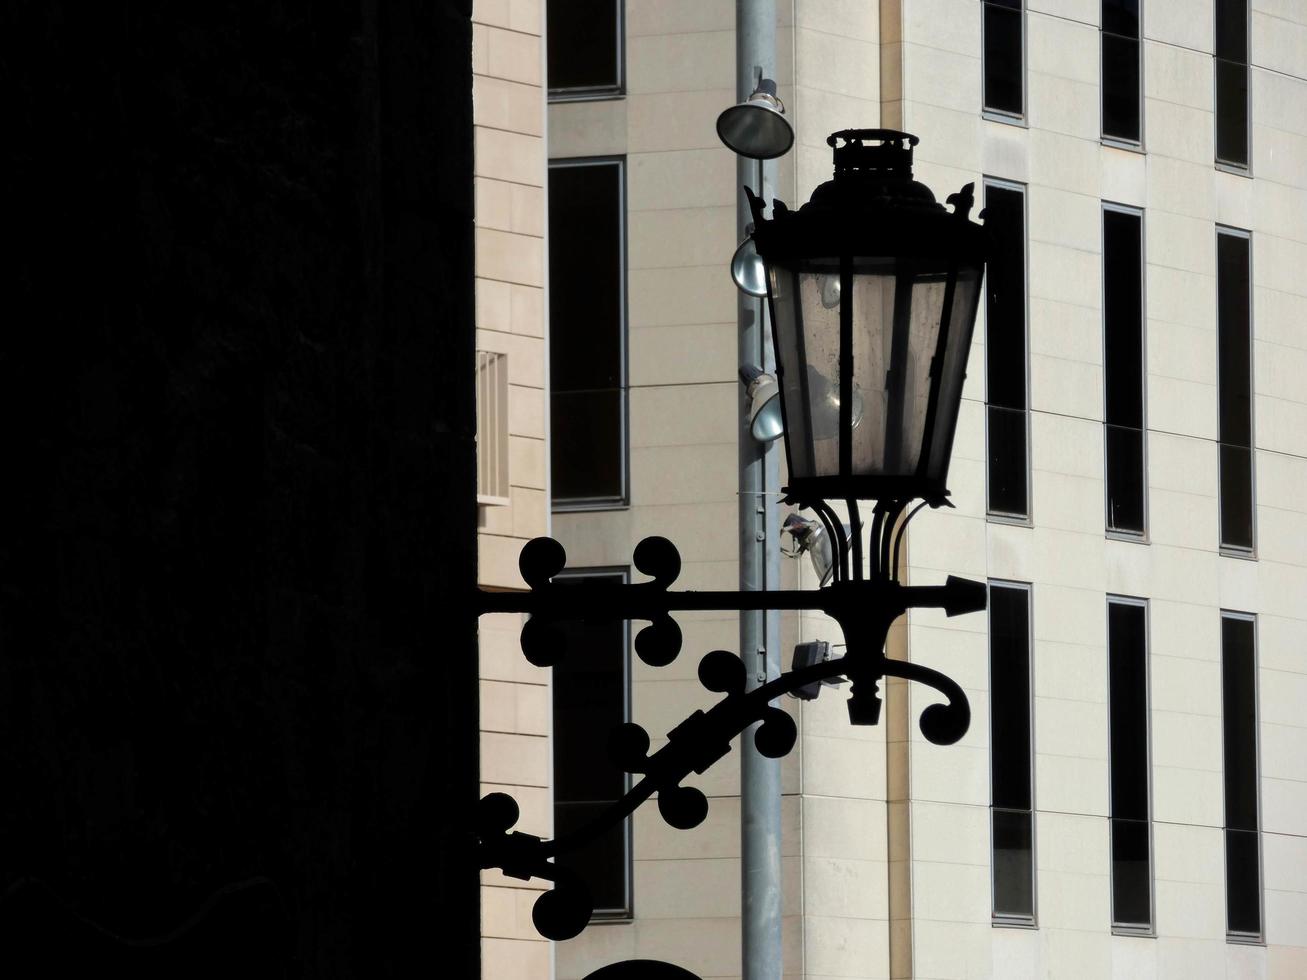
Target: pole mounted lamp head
(805, 655)
(873, 289)
(757, 127)
(811, 538)
(765, 423)
(747, 271)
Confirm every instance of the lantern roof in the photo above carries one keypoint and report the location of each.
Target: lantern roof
(871, 207)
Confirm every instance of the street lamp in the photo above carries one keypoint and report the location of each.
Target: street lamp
(873, 289)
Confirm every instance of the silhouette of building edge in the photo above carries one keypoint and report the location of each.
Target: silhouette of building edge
(237, 702)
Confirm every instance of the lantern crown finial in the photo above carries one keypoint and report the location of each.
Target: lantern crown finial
(872, 165)
(888, 157)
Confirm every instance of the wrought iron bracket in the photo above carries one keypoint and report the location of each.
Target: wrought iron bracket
(864, 608)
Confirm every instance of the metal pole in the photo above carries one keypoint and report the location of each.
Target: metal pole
(760, 777)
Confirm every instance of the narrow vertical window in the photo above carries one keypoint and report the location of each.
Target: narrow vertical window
(1243, 876)
(1127, 654)
(591, 697)
(1231, 69)
(1004, 91)
(1120, 70)
(587, 317)
(1011, 783)
(1234, 384)
(585, 57)
(1005, 352)
(1123, 369)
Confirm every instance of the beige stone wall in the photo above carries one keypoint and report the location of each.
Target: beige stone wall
(681, 191)
(508, 98)
(843, 892)
(1066, 554)
(682, 397)
(509, 121)
(886, 837)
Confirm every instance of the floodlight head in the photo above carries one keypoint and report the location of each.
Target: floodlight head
(747, 269)
(765, 421)
(805, 655)
(811, 537)
(757, 127)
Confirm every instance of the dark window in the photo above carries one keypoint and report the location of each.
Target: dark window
(1127, 653)
(587, 320)
(590, 699)
(585, 48)
(1004, 60)
(1243, 878)
(1005, 352)
(1011, 796)
(1121, 17)
(1234, 389)
(1120, 68)
(1231, 54)
(1123, 369)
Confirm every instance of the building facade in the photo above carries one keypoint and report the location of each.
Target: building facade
(1131, 799)
(512, 423)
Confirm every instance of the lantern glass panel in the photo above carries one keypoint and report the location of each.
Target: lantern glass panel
(805, 307)
(896, 328)
(901, 427)
(873, 295)
(966, 297)
(819, 302)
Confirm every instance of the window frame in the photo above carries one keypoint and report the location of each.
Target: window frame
(993, 516)
(1225, 166)
(621, 501)
(1227, 550)
(593, 93)
(1222, 165)
(1120, 928)
(1121, 142)
(1002, 115)
(606, 916)
(1118, 534)
(1240, 938)
(997, 919)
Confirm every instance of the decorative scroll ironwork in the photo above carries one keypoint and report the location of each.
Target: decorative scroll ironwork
(641, 970)
(864, 608)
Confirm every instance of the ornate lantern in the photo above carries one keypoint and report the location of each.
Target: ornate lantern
(873, 288)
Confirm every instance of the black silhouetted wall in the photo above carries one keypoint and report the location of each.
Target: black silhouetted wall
(237, 679)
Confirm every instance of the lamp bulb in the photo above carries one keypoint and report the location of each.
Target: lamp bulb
(830, 291)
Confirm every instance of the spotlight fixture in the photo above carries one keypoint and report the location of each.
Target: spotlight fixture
(757, 127)
(805, 655)
(765, 421)
(747, 269)
(811, 537)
